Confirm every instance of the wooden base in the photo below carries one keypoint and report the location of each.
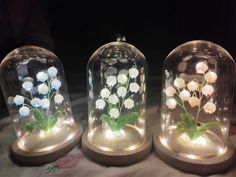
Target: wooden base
(39, 158)
(116, 158)
(198, 166)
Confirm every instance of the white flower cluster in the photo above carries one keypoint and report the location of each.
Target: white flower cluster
(48, 88)
(121, 96)
(193, 91)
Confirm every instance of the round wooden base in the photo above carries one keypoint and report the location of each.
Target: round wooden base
(39, 158)
(198, 166)
(116, 158)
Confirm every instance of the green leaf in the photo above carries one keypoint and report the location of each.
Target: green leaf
(40, 116)
(30, 126)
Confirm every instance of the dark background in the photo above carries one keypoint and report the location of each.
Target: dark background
(77, 30)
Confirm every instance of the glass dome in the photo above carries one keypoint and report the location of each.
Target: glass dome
(116, 75)
(35, 89)
(197, 87)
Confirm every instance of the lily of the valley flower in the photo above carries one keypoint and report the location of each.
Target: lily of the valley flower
(209, 107)
(184, 95)
(24, 111)
(171, 103)
(201, 67)
(192, 86)
(19, 100)
(179, 83)
(170, 91)
(207, 90)
(43, 89)
(129, 103)
(194, 101)
(35, 102)
(134, 87)
(27, 85)
(114, 113)
(100, 104)
(56, 84)
(105, 93)
(42, 76)
(211, 77)
(45, 103)
(58, 98)
(122, 78)
(121, 92)
(133, 72)
(113, 99)
(111, 81)
(52, 71)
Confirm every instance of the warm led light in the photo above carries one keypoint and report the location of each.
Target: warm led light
(109, 134)
(200, 141)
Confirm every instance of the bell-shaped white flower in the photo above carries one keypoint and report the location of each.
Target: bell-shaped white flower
(209, 107)
(133, 73)
(105, 93)
(100, 104)
(27, 85)
(210, 77)
(30, 79)
(201, 67)
(52, 71)
(171, 103)
(113, 99)
(111, 81)
(207, 90)
(121, 91)
(42, 76)
(55, 84)
(194, 101)
(129, 103)
(170, 91)
(184, 95)
(134, 87)
(24, 111)
(179, 83)
(114, 113)
(192, 86)
(58, 98)
(45, 103)
(43, 89)
(122, 78)
(19, 100)
(35, 102)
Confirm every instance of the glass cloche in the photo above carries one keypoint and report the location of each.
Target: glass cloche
(35, 90)
(197, 87)
(116, 76)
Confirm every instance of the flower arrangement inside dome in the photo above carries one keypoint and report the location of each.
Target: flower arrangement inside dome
(116, 96)
(37, 100)
(198, 93)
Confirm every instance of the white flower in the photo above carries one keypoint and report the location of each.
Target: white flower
(58, 98)
(209, 107)
(194, 101)
(111, 81)
(27, 85)
(192, 86)
(211, 77)
(45, 103)
(122, 78)
(43, 89)
(113, 99)
(42, 76)
(129, 103)
(134, 87)
(100, 104)
(24, 111)
(114, 113)
(207, 90)
(52, 71)
(171, 103)
(35, 102)
(121, 92)
(179, 83)
(30, 79)
(105, 93)
(124, 71)
(184, 95)
(201, 67)
(133, 72)
(19, 100)
(170, 91)
(56, 84)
